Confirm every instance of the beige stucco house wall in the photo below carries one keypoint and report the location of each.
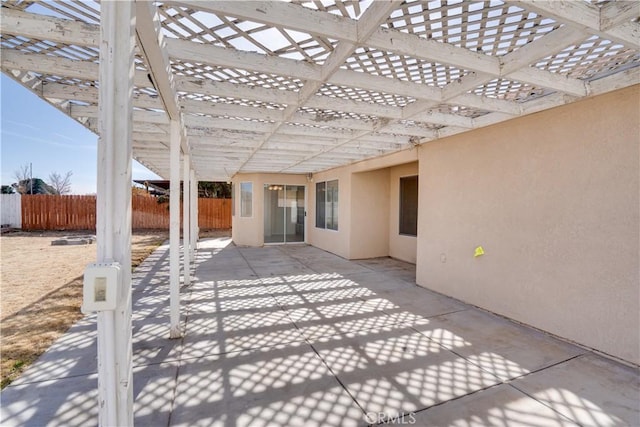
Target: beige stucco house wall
(369, 200)
(400, 247)
(249, 231)
(553, 198)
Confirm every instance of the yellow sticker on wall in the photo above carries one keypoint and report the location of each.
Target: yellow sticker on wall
(479, 251)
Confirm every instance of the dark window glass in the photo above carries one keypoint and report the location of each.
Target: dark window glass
(409, 205)
(320, 204)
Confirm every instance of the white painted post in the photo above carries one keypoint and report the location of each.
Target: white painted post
(194, 214)
(174, 230)
(113, 202)
(186, 216)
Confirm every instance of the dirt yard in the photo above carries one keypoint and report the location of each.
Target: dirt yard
(41, 291)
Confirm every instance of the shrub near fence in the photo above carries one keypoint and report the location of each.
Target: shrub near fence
(47, 212)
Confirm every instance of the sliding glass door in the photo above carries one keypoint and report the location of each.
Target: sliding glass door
(283, 213)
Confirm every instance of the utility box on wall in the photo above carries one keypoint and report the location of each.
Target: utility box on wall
(100, 287)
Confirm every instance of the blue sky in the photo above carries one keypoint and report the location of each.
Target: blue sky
(32, 131)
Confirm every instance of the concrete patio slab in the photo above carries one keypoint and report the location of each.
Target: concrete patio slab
(497, 345)
(277, 337)
(590, 390)
(397, 370)
(282, 385)
(501, 405)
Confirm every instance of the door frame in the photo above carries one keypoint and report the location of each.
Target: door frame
(304, 222)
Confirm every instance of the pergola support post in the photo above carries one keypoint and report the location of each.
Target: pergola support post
(194, 214)
(174, 230)
(186, 216)
(113, 202)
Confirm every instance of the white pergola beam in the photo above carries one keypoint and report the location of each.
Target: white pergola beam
(152, 47)
(193, 52)
(225, 89)
(175, 329)
(357, 107)
(59, 66)
(585, 16)
(617, 81)
(113, 206)
(232, 110)
(186, 218)
(385, 85)
(546, 45)
(618, 12)
(218, 56)
(42, 27)
(560, 82)
(193, 221)
(89, 94)
(281, 14)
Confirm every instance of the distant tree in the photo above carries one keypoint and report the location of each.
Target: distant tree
(7, 189)
(23, 173)
(214, 190)
(33, 186)
(60, 184)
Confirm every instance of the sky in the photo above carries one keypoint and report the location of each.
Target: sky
(33, 131)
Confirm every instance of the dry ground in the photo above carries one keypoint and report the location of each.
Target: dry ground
(41, 291)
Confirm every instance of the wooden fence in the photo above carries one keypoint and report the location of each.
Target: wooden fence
(47, 212)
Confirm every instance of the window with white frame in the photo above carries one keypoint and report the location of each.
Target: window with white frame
(246, 199)
(327, 205)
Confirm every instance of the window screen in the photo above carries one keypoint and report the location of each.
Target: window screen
(409, 205)
(246, 199)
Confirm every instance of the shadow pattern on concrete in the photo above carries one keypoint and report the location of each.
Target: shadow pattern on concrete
(295, 336)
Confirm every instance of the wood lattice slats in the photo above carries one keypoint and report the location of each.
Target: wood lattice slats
(414, 124)
(363, 95)
(79, 53)
(509, 90)
(459, 110)
(87, 11)
(210, 99)
(387, 64)
(489, 27)
(328, 115)
(239, 76)
(230, 32)
(348, 8)
(593, 57)
(267, 86)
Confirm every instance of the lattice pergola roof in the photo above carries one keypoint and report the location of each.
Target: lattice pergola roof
(303, 86)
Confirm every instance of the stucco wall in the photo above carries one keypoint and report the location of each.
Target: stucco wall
(400, 247)
(250, 231)
(554, 200)
(369, 214)
(340, 242)
(336, 241)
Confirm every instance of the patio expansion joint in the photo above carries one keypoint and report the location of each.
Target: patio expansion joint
(64, 377)
(444, 402)
(501, 383)
(510, 381)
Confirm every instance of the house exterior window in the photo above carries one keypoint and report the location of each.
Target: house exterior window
(327, 205)
(246, 199)
(409, 206)
(233, 199)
